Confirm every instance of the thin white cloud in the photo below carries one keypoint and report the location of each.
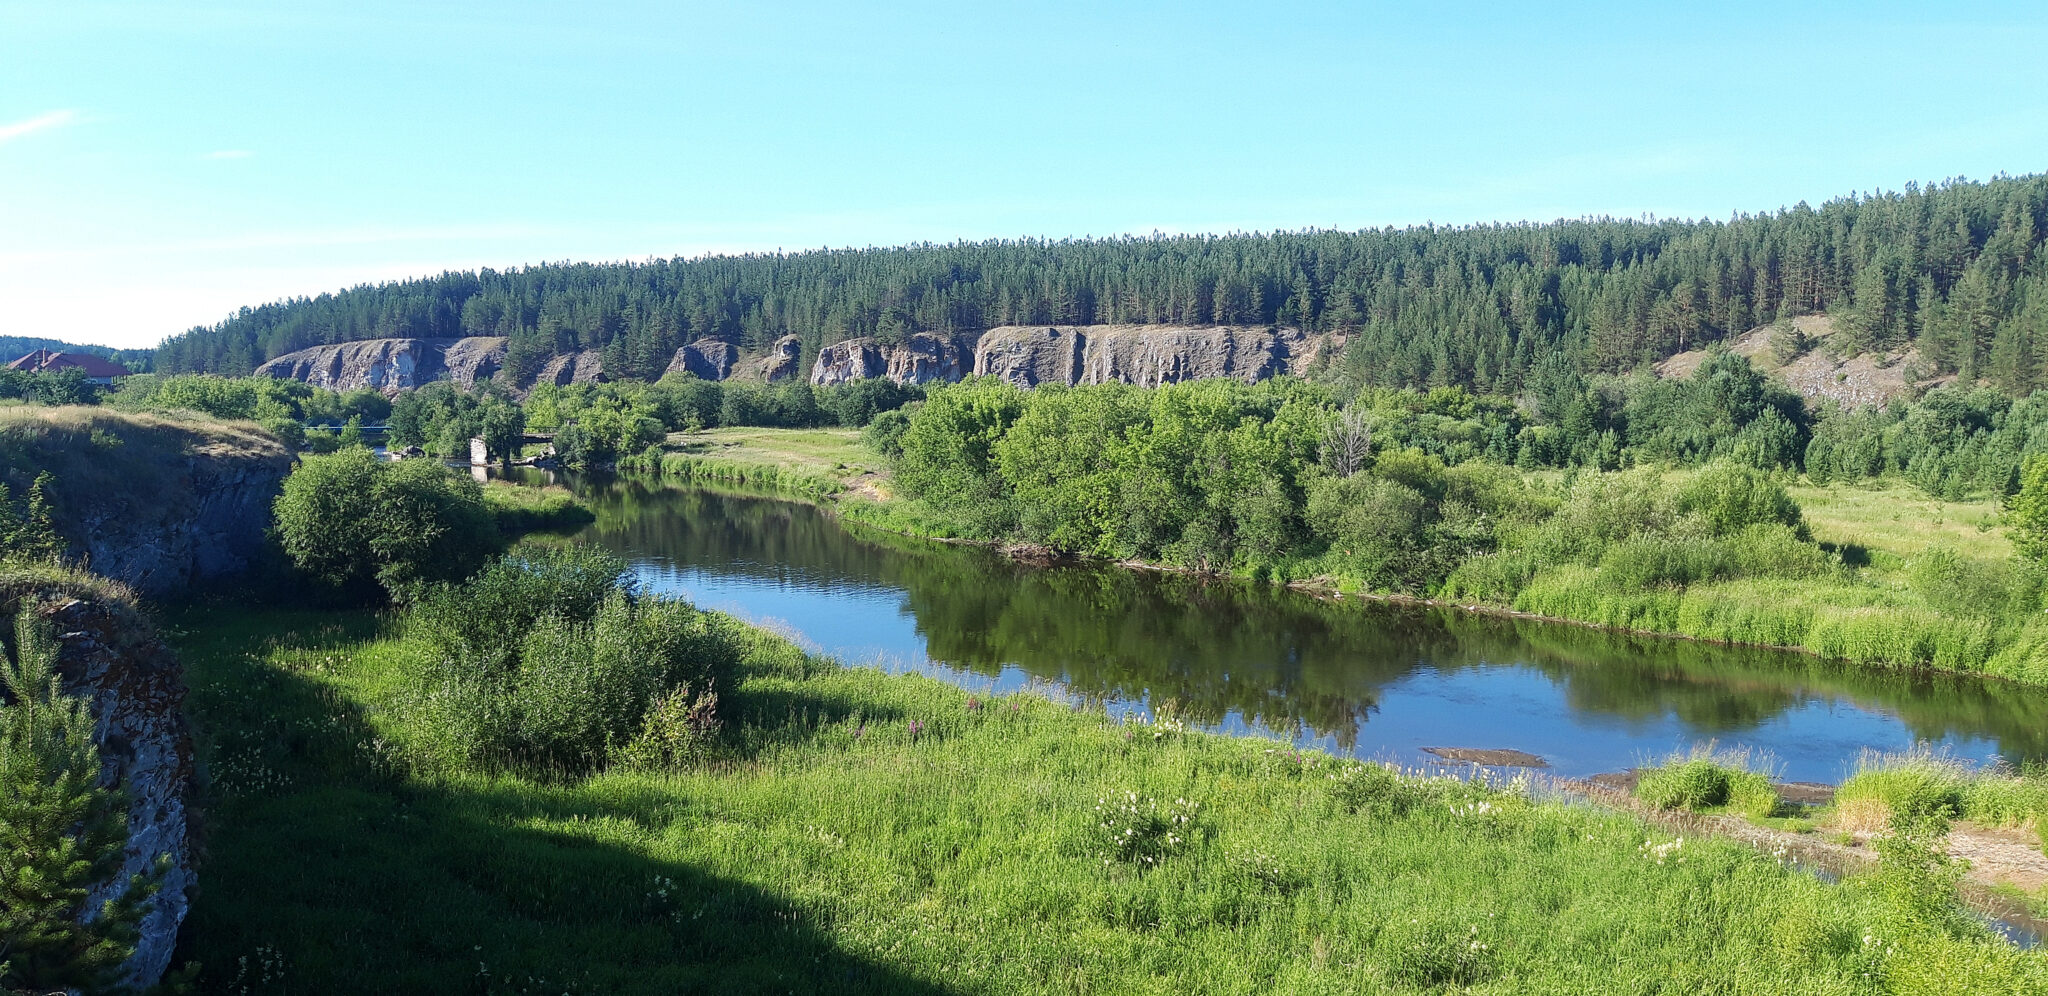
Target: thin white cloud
(228, 154)
(41, 122)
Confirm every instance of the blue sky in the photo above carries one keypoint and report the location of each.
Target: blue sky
(163, 163)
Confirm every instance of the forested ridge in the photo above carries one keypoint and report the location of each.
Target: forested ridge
(1955, 268)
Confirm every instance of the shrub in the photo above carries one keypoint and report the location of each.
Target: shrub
(679, 728)
(1730, 497)
(350, 519)
(548, 662)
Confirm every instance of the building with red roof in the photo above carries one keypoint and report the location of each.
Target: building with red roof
(97, 369)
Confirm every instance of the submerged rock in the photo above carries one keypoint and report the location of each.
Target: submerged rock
(1493, 757)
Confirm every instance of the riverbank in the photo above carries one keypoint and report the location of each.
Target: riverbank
(855, 831)
(1889, 578)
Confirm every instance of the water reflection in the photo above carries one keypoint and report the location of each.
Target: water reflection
(1365, 678)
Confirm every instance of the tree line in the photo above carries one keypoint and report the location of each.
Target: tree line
(1955, 268)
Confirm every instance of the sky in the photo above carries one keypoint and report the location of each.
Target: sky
(163, 164)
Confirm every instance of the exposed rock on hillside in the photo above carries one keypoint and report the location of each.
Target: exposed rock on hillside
(781, 363)
(922, 359)
(1816, 374)
(707, 359)
(156, 503)
(111, 657)
(391, 365)
(1023, 355)
(1147, 355)
(585, 367)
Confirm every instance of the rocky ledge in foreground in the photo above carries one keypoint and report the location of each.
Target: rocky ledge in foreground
(111, 656)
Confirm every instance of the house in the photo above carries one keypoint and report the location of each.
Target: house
(98, 369)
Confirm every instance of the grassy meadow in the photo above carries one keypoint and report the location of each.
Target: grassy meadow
(810, 463)
(858, 832)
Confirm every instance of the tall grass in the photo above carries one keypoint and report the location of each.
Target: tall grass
(1704, 779)
(857, 832)
(1926, 783)
(766, 476)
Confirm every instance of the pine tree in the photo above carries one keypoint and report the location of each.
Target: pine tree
(60, 832)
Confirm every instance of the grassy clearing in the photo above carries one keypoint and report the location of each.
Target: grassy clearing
(809, 463)
(859, 832)
(1897, 522)
(833, 453)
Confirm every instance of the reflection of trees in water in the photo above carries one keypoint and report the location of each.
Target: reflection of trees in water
(1276, 657)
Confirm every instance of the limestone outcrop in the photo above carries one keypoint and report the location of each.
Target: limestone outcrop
(391, 365)
(924, 358)
(1026, 355)
(110, 656)
(706, 359)
(583, 367)
(781, 363)
(1147, 355)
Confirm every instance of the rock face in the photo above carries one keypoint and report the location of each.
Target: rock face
(922, 359)
(781, 363)
(111, 657)
(391, 365)
(706, 359)
(203, 519)
(1147, 355)
(585, 367)
(1025, 355)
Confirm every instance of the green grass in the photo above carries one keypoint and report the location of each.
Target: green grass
(519, 509)
(1703, 781)
(1922, 782)
(867, 833)
(1898, 522)
(816, 464)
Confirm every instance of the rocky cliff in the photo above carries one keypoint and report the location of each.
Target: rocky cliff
(1025, 355)
(706, 359)
(391, 365)
(156, 503)
(1028, 356)
(111, 657)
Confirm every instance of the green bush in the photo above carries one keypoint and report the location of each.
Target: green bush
(352, 519)
(1951, 582)
(546, 662)
(1730, 498)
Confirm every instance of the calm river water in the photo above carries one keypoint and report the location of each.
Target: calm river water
(1353, 677)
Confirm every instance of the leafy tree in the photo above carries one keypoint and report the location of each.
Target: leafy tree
(350, 519)
(61, 833)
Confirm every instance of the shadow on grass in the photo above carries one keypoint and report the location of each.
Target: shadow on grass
(327, 872)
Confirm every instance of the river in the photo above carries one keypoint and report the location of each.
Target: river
(1349, 676)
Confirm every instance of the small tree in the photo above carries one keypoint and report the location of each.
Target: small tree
(60, 832)
(2026, 512)
(27, 532)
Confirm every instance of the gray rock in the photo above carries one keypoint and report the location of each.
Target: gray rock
(706, 359)
(391, 365)
(584, 367)
(780, 364)
(205, 520)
